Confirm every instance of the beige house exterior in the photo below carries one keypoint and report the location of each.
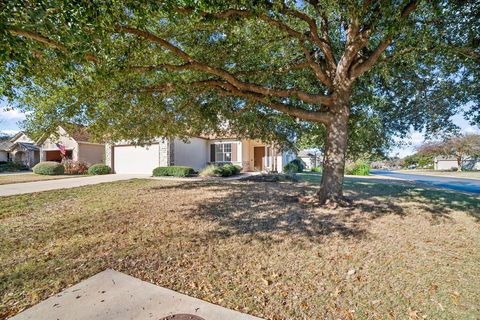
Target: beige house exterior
(451, 163)
(77, 142)
(196, 152)
(20, 149)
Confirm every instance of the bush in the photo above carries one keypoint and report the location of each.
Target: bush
(99, 168)
(175, 171)
(358, 168)
(75, 167)
(316, 169)
(294, 166)
(226, 170)
(12, 167)
(49, 168)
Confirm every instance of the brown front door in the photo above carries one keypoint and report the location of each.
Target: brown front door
(258, 155)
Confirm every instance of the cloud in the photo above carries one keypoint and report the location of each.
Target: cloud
(11, 115)
(9, 132)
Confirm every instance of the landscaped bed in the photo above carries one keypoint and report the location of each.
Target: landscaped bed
(29, 177)
(401, 252)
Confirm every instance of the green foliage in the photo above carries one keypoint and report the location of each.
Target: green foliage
(99, 169)
(49, 168)
(316, 169)
(359, 168)
(419, 159)
(175, 171)
(12, 166)
(294, 166)
(433, 55)
(225, 170)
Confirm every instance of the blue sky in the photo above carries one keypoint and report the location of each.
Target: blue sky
(9, 123)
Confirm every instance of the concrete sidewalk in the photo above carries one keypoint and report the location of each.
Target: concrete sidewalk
(111, 295)
(38, 186)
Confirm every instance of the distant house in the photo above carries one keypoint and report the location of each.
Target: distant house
(311, 159)
(451, 163)
(20, 149)
(197, 152)
(78, 143)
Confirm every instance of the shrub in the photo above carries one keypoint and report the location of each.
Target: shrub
(99, 168)
(316, 169)
(225, 170)
(359, 168)
(12, 167)
(294, 166)
(75, 167)
(175, 171)
(49, 168)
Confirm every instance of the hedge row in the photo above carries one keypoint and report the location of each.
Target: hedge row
(175, 171)
(52, 168)
(226, 170)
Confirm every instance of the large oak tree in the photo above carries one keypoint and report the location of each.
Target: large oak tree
(139, 69)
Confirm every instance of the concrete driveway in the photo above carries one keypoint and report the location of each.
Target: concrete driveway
(459, 184)
(38, 186)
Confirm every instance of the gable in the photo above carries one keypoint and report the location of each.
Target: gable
(21, 137)
(60, 137)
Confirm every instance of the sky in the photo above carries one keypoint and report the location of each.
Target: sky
(9, 123)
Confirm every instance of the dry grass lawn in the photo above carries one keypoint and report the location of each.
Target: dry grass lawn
(29, 177)
(402, 252)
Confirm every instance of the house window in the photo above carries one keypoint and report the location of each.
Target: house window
(223, 152)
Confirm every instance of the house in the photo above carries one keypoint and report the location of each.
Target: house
(78, 143)
(197, 153)
(20, 149)
(311, 158)
(451, 163)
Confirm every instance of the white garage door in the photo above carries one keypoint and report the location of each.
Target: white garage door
(135, 159)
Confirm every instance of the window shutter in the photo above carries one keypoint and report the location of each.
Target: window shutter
(234, 152)
(212, 153)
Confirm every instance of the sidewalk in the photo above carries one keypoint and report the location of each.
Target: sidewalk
(111, 295)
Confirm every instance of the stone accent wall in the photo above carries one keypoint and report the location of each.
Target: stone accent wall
(172, 153)
(164, 152)
(108, 154)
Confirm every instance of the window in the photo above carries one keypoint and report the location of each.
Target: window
(269, 157)
(223, 152)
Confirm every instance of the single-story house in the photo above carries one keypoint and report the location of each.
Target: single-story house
(451, 163)
(78, 143)
(311, 159)
(20, 149)
(197, 152)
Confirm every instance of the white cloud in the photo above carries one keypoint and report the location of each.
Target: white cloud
(11, 115)
(9, 132)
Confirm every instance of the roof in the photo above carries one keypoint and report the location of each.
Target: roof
(27, 146)
(77, 132)
(5, 145)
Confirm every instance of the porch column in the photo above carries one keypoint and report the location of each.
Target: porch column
(166, 152)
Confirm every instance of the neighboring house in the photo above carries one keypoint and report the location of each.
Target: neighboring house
(20, 149)
(451, 163)
(197, 153)
(311, 159)
(78, 143)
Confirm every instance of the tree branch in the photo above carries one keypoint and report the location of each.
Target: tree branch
(49, 42)
(230, 78)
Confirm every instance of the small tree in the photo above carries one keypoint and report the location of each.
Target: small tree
(459, 147)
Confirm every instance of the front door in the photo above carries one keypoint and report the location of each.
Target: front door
(258, 156)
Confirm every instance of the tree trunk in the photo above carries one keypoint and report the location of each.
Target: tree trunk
(459, 162)
(331, 187)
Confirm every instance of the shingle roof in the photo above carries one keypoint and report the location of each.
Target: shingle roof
(5, 145)
(28, 146)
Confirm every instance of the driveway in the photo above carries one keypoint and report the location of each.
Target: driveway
(38, 186)
(459, 184)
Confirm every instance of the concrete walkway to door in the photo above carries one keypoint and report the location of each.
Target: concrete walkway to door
(39, 186)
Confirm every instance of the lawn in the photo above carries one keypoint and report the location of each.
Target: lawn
(29, 177)
(258, 247)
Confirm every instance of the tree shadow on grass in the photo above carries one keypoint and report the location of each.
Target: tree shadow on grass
(267, 209)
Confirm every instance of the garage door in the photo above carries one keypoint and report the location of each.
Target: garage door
(135, 159)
